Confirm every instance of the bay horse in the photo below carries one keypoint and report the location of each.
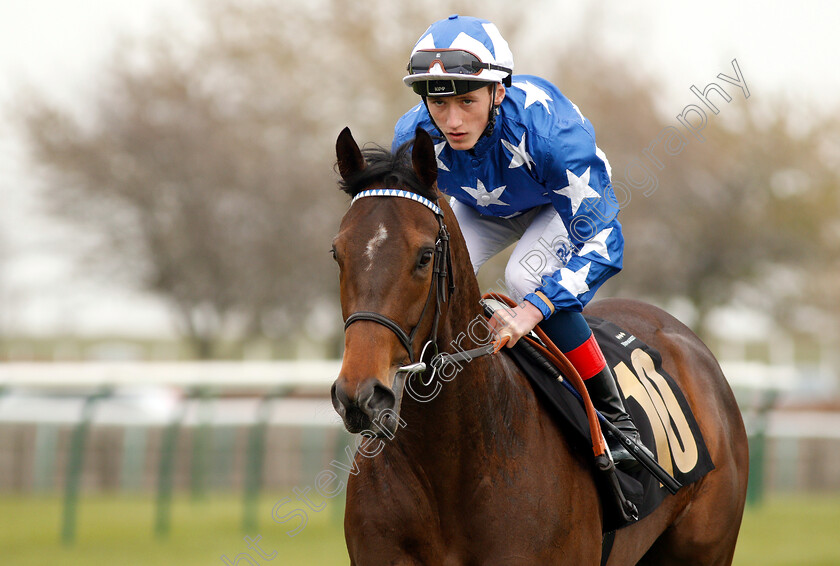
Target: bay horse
(470, 469)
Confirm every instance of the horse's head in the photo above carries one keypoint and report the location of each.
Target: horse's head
(392, 252)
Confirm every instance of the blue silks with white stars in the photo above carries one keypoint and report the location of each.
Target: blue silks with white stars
(541, 151)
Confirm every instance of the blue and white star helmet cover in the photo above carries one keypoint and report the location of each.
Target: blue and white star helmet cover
(479, 37)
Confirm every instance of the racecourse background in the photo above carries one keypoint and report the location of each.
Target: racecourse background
(783, 531)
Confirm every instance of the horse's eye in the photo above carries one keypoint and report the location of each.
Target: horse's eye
(426, 258)
(332, 253)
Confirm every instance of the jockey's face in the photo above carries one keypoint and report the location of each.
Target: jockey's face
(462, 118)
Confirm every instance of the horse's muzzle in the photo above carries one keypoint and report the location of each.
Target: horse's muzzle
(369, 407)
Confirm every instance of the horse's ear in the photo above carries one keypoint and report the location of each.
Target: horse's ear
(350, 160)
(423, 157)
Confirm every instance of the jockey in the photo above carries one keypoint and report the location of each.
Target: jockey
(520, 162)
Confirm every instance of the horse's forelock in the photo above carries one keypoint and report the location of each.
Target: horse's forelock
(392, 170)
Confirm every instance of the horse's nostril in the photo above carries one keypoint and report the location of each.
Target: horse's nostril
(382, 398)
(371, 401)
(339, 398)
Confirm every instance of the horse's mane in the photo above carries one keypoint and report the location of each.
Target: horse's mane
(391, 170)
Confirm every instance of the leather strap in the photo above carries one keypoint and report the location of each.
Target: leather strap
(385, 321)
(442, 271)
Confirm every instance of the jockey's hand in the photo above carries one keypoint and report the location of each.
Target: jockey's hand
(515, 322)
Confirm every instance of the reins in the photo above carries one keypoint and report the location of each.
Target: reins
(574, 384)
(442, 272)
(553, 354)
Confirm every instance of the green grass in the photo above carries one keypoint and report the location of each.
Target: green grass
(801, 531)
(120, 530)
(791, 531)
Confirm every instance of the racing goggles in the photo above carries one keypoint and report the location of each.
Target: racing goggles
(453, 61)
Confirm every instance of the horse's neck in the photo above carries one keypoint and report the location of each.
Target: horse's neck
(482, 400)
(463, 399)
(478, 405)
(476, 417)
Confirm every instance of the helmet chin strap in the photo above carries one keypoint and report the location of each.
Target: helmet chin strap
(491, 119)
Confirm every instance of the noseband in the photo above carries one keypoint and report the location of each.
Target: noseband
(442, 271)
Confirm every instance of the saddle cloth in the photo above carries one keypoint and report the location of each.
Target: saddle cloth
(655, 402)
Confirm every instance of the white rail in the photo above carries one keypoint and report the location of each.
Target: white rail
(238, 375)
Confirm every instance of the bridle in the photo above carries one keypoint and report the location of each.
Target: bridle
(442, 270)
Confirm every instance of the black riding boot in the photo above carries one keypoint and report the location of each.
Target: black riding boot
(607, 400)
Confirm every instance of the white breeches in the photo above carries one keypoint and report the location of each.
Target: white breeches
(543, 244)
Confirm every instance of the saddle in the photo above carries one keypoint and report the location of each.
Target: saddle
(656, 404)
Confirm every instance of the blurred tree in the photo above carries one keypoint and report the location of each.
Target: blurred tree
(746, 217)
(205, 163)
(5, 301)
(205, 166)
